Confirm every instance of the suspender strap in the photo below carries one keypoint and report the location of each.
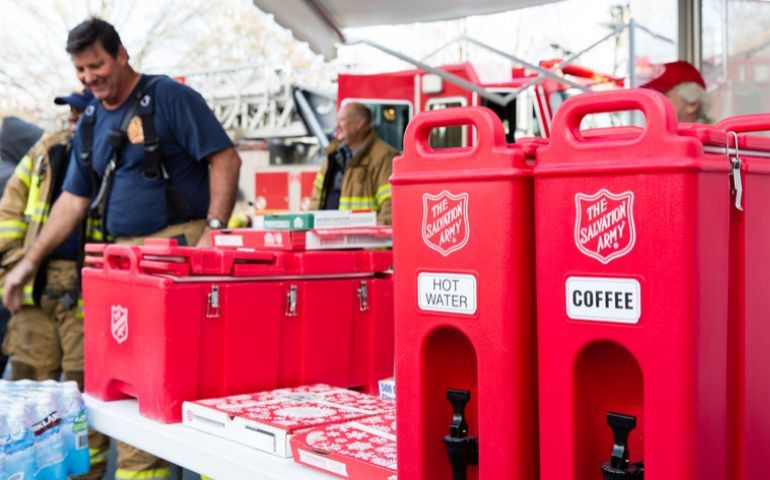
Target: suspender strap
(152, 156)
(177, 206)
(87, 141)
(87, 134)
(337, 161)
(117, 140)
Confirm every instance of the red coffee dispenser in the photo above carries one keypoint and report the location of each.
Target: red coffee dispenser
(632, 266)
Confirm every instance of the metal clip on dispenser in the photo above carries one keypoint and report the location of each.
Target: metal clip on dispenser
(619, 468)
(462, 449)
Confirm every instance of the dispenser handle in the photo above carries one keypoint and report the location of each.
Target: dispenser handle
(461, 449)
(619, 468)
(458, 399)
(621, 426)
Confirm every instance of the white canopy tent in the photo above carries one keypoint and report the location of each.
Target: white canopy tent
(320, 22)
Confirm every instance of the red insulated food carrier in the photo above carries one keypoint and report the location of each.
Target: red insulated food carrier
(749, 336)
(166, 324)
(632, 234)
(465, 319)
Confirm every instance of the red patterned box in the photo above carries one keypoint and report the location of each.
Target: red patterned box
(317, 239)
(267, 420)
(364, 449)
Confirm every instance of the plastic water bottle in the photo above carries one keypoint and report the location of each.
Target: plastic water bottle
(20, 463)
(57, 390)
(49, 448)
(4, 436)
(25, 385)
(74, 426)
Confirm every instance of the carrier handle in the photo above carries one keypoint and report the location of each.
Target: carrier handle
(115, 252)
(256, 257)
(659, 113)
(489, 132)
(94, 255)
(756, 122)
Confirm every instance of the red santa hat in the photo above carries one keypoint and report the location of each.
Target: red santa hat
(672, 74)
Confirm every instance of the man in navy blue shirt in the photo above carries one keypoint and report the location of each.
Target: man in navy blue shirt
(189, 135)
(198, 163)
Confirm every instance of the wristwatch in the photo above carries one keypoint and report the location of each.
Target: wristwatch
(215, 224)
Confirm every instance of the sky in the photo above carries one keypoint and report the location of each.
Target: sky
(182, 36)
(532, 34)
(179, 36)
(161, 36)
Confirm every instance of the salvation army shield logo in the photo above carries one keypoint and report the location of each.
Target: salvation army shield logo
(119, 323)
(445, 226)
(604, 224)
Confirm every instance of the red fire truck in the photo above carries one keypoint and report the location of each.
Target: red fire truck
(396, 97)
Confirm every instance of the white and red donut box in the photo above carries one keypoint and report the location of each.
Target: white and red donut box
(363, 449)
(268, 420)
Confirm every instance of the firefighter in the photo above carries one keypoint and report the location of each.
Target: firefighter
(355, 174)
(45, 336)
(148, 159)
(16, 138)
(685, 88)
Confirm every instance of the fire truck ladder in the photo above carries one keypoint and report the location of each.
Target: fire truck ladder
(541, 72)
(481, 91)
(254, 101)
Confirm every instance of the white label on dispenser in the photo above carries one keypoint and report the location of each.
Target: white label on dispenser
(447, 292)
(617, 300)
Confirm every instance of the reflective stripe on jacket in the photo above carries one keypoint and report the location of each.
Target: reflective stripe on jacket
(365, 183)
(26, 203)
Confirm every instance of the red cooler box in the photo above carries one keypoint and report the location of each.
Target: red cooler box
(749, 338)
(465, 320)
(632, 237)
(166, 324)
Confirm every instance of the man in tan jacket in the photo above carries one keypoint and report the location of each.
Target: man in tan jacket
(356, 172)
(45, 336)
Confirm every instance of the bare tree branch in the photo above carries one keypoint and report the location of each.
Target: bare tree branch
(172, 36)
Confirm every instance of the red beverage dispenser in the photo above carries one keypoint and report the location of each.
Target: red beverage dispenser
(749, 337)
(632, 235)
(465, 317)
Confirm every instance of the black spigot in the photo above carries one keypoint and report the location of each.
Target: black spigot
(619, 467)
(462, 449)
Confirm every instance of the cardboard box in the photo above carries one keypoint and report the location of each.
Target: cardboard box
(289, 221)
(363, 449)
(345, 238)
(246, 238)
(268, 420)
(344, 218)
(388, 388)
(318, 219)
(317, 239)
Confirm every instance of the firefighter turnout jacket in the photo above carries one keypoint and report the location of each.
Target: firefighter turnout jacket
(27, 199)
(365, 184)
